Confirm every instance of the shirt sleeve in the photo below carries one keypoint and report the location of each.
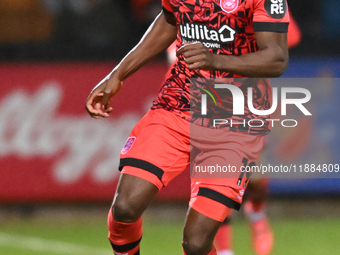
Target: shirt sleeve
(166, 5)
(271, 16)
(294, 33)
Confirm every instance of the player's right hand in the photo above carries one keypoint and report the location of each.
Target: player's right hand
(97, 103)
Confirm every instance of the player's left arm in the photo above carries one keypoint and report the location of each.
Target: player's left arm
(270, 61)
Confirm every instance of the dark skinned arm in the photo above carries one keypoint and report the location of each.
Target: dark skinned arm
(270, 61)
(160, 35)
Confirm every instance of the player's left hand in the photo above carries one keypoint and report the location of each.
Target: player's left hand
(197, 56)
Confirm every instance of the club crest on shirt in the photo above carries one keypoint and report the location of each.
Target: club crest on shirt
(229, 5)
(128, 144)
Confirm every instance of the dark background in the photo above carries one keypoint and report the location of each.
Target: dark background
(48, 30)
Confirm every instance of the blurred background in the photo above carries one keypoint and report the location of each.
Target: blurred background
(58, 166)
(50, 30)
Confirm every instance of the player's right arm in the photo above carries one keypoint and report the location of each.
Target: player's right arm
(157, 38)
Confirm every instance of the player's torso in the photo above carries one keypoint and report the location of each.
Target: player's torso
(224, 27)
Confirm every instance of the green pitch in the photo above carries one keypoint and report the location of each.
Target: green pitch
(85, 235)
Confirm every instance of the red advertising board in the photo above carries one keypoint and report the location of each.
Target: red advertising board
(50, 149)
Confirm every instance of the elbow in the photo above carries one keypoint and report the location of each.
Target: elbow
(280, 68)
(280, 64)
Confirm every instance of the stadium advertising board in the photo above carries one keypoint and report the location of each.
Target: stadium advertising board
(51, 150)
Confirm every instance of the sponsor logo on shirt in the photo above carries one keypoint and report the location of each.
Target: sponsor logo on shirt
(211, 38)
(229, 5)
(276, 9)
